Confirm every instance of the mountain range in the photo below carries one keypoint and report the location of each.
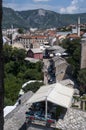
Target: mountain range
(39, 18)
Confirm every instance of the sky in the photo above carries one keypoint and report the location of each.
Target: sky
(60, 6)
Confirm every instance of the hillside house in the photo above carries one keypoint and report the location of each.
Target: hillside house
(35, 53)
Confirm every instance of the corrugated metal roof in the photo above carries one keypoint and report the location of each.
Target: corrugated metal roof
(37, 50)
(55, 93)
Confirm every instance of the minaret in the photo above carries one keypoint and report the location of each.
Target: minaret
(11, 34)
(78, 28)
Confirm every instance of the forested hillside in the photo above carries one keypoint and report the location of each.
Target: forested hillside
(38, 18)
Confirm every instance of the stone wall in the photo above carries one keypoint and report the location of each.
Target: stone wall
(83, 54)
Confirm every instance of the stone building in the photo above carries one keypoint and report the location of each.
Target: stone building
(55, 69)
(36, 53)
(30, 41)
(83, 53)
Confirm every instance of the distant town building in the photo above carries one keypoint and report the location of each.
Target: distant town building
(32, 41)
(17, 45)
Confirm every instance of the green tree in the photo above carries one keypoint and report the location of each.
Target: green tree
(12, 87)
(73, 49)
(33, 86)
(7, 53)
(32, 74)
(17, 72)
(39, 66)
(7, 101)
(14, 54)
(18, 54)
(21, 30)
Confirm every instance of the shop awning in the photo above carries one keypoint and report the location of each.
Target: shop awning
(55, 93)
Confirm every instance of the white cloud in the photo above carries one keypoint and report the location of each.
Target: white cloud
(74, 2)
(69, 9)
(75, 6)
(28, 6)
(72, 8)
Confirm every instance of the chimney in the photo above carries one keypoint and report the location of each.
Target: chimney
(78, 29)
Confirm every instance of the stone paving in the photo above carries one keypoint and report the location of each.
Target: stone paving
(16, 119)
(73, 120)
(38, 127)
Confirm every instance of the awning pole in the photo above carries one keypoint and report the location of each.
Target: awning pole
(46, 108)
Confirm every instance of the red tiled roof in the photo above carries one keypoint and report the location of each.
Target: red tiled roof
(81, 32)
(72, 36)
(33, 37)
(75, 35)
(39, 37)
